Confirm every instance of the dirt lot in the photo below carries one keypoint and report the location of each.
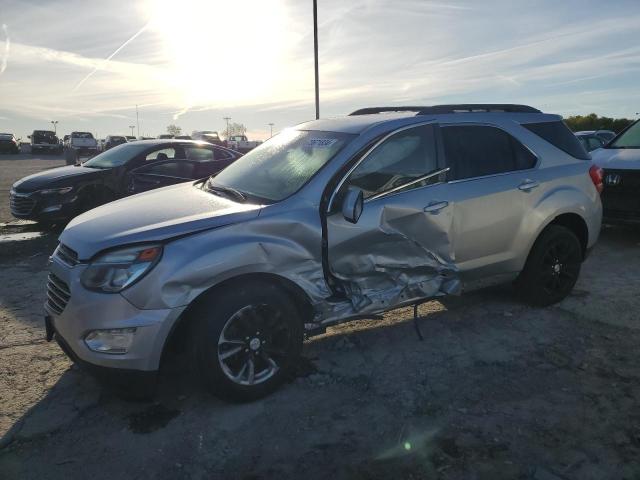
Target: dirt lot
(496, 390)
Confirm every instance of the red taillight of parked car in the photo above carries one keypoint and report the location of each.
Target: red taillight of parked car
(597, 175)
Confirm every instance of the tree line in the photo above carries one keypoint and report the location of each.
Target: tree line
(592, 121)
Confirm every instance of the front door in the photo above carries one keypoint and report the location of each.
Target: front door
(400, 249)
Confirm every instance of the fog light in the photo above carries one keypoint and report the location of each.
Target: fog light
(116, 341)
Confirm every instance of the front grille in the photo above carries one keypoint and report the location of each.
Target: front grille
(622, 199)
(21, 204)
(58, 295)
(66, 255)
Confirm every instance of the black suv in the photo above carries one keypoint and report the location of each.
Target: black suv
(59, 194)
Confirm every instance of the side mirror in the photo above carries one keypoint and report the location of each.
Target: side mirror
(353, 204)
(28, 136)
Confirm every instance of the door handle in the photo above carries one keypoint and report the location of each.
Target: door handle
(435, 207)
(528, 185)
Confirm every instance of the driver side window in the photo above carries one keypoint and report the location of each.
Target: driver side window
(402, 158)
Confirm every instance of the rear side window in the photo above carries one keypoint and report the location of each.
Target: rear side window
(477, 151)
(559, 135)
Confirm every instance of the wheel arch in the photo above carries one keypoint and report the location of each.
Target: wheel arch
(178, 335)
(577, 225)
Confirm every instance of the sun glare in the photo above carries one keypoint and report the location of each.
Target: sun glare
(222, 52)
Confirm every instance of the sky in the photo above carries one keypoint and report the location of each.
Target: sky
(88, 64)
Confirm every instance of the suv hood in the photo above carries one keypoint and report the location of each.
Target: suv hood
(617, 158)
(151, 217)
(54, 177)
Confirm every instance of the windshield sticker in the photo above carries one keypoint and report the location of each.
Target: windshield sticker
(321, 142)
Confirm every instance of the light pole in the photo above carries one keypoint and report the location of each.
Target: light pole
(55, 126)
(227, 119)
(132, 127)
(271, 126)
(315, 55)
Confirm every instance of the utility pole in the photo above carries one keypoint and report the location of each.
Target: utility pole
(227, 119)
(132, 127)
(315, 55)
(55, 126)
(271, 125)
(137, 121)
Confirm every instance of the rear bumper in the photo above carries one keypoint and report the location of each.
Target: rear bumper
(47, 146)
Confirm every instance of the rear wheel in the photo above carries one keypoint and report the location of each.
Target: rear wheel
(246, 340)
(552, 268)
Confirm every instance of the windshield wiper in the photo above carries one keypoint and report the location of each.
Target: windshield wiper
(228, 190)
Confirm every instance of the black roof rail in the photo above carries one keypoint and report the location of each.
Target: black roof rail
(479, 108)
(372, 110)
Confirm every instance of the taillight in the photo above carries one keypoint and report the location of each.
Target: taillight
(596, 174)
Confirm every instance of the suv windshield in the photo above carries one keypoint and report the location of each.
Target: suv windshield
(81, 135)
(116, 156)
(283, 164)
(629, 139)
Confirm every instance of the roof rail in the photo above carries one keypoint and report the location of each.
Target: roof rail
(479, 108)
(460, 108)
(372, 110)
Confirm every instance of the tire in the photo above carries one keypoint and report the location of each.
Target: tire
(552, 268)
(253, 327)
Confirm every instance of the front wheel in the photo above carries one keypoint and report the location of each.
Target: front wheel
(552, 267)
(246, 340)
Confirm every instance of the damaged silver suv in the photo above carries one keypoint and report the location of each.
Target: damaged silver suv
(328, 221)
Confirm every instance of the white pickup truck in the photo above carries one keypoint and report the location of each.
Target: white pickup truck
(79, 144)
(240, 143)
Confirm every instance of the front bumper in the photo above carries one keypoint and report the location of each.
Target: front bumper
(85, 311)
(143, 381)
(33, 206)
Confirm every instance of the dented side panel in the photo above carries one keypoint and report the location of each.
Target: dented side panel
(395, 254)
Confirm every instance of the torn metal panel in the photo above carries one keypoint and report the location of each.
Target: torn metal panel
(394, 255)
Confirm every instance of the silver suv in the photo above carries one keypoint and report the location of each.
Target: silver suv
(328, 221)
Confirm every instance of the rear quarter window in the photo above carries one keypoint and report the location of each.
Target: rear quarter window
(559, 135)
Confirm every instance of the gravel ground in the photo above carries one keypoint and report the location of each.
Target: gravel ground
(496, 390)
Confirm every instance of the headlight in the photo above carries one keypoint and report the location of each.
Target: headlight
(114, 271)
(59, 191)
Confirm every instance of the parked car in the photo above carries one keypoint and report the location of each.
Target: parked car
(183, 137)
(241, 143)
(9, 143)
(113, 141)
(80, 144)
(329, 221)
(130, 138)
(620, 160)
(44, 141)
(590, 141)
(606, 135)
(165, 136)
(59, 194)
(208, 136)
